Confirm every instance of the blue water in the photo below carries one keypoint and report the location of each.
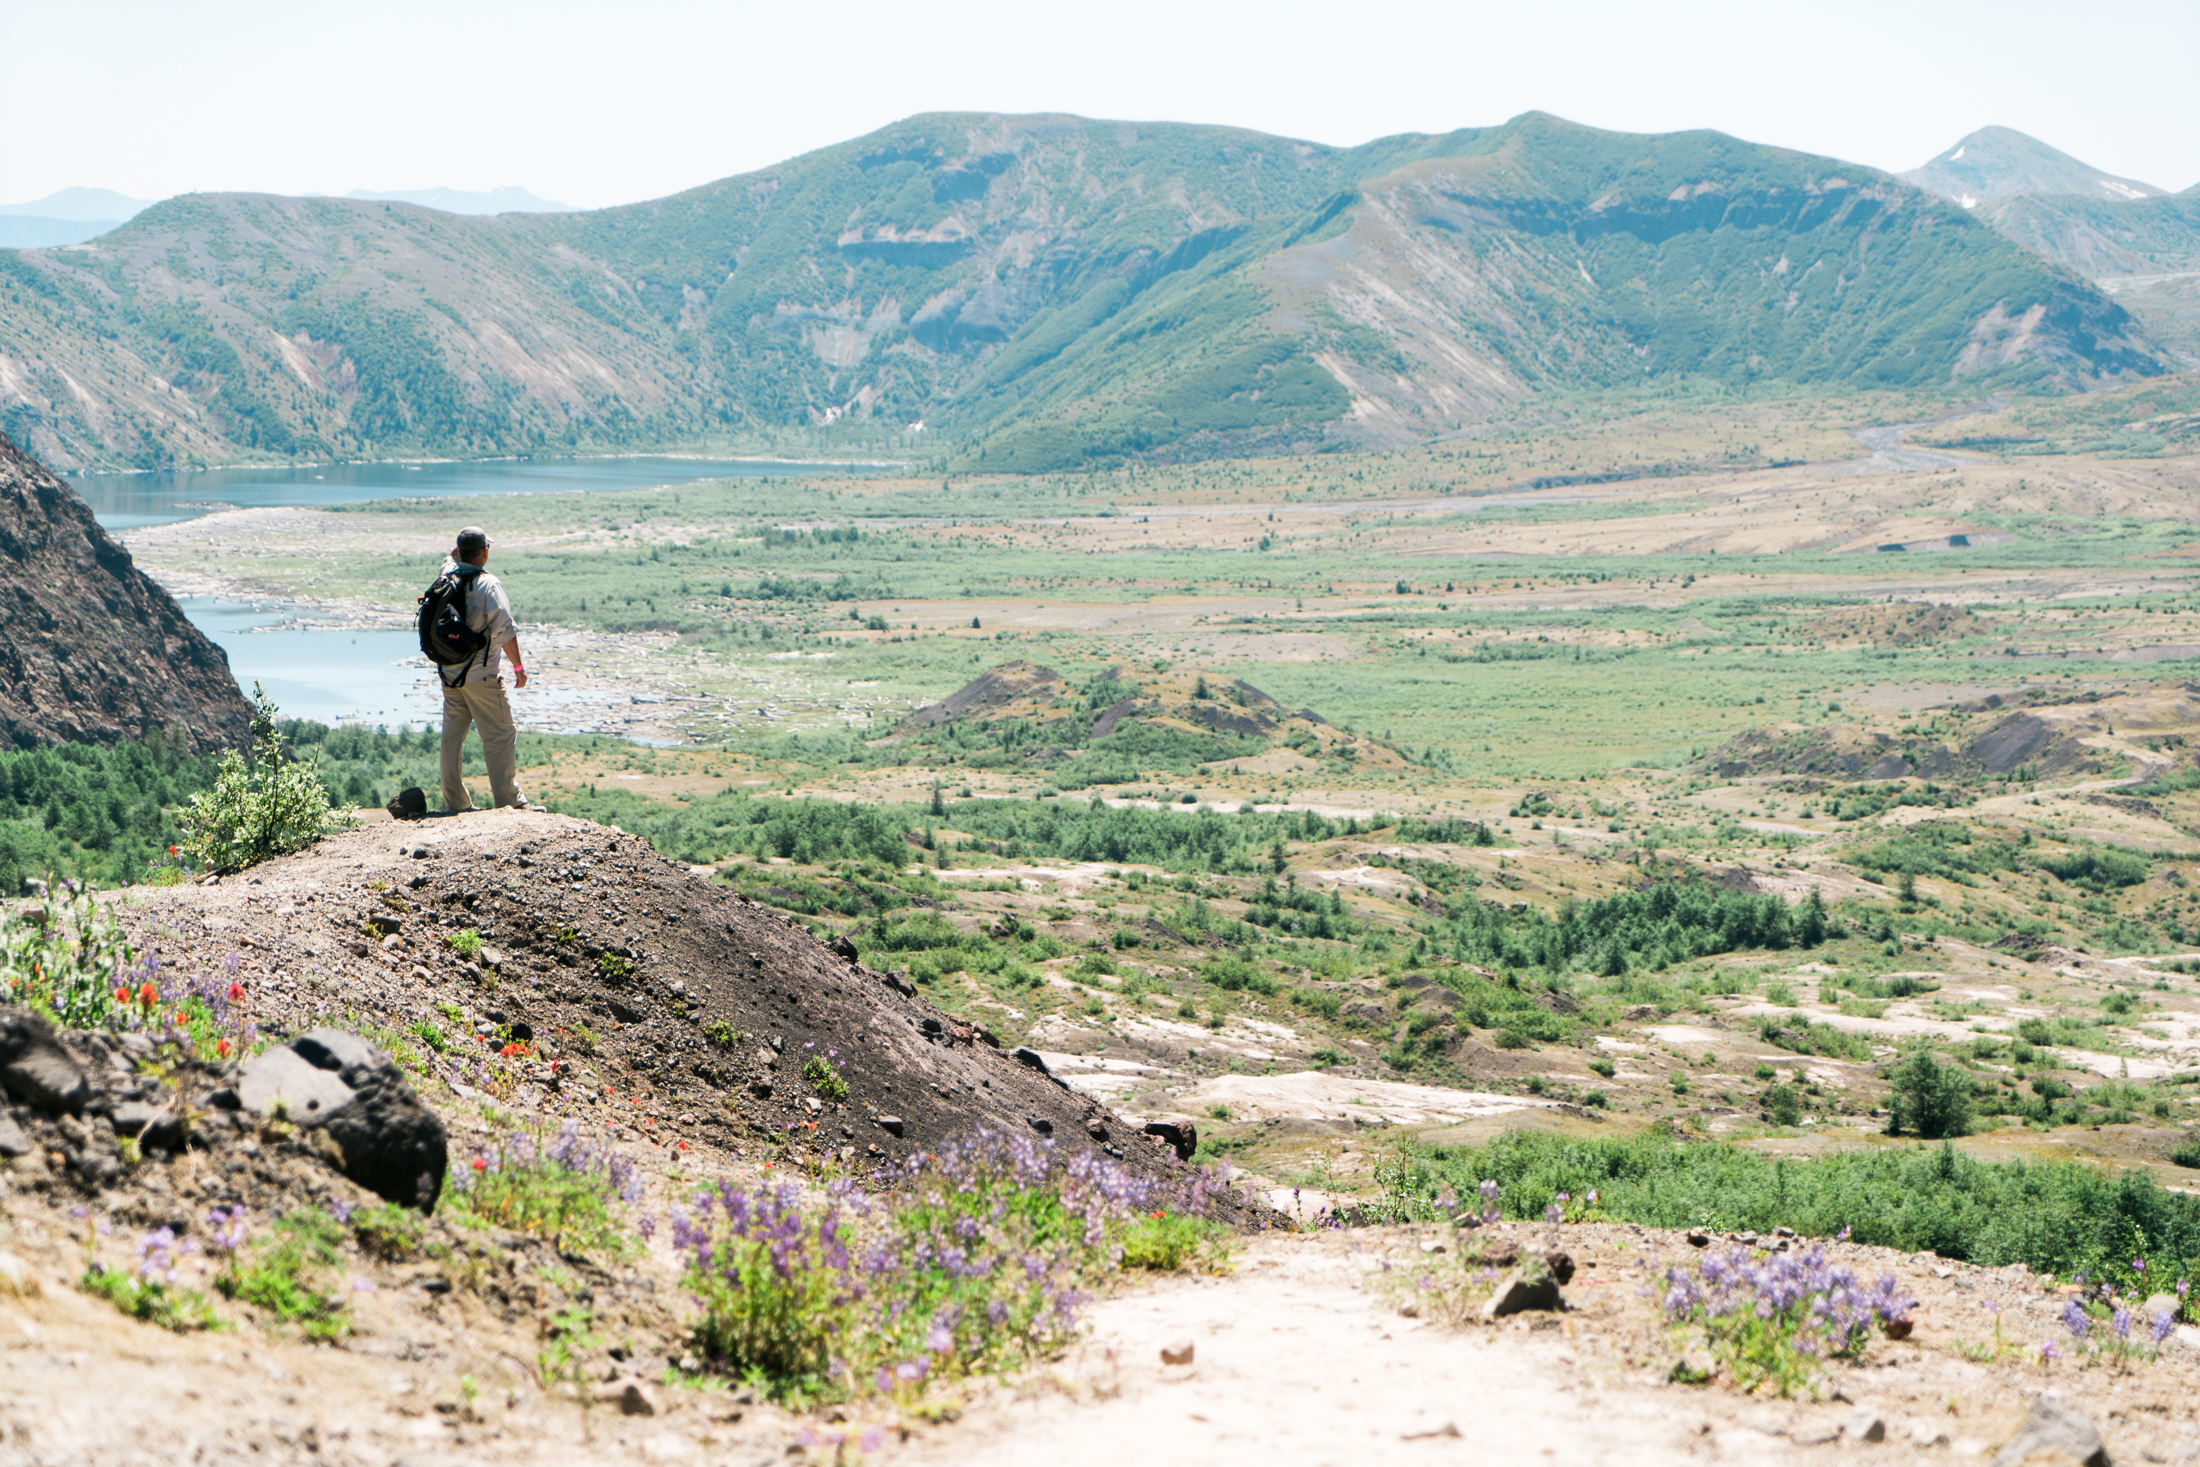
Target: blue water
(376, 677)
(328, 675)
(127, 501)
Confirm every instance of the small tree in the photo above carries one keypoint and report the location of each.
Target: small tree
(1783, 1107)
(1930, 1098)
(267, 805)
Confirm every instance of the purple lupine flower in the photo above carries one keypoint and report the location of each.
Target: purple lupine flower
(225, 1229)
(2164, 1323)
(157, 1251)
(2076, 1320)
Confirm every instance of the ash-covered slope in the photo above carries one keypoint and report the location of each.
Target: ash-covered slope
(91, 649)
(614, 987)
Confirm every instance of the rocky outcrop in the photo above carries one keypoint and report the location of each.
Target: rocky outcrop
(392, 1145)
(91, 649)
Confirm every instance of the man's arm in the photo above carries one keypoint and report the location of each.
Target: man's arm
(519, 670)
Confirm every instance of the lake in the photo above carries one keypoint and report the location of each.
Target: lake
(330, 676)
(375, 677)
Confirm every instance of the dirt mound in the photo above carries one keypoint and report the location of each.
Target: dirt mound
(1829, 751)
(1014, 689)
(2042, 741)
(1051, 718)
(551, 963)
(1898, 626)
(94, 651)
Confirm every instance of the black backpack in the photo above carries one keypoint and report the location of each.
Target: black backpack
(445, 639)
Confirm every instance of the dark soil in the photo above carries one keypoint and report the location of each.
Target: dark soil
(612, 987)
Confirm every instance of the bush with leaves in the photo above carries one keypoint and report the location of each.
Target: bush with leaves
(1929, 1098)
(267, 805)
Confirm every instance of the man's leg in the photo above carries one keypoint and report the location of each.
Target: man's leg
(499, 740)
(457, 718)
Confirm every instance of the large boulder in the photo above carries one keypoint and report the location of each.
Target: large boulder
(393, 1145)
(36, 1067)
(2055, 1434)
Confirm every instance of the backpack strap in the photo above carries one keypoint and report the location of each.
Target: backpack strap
(466, 573)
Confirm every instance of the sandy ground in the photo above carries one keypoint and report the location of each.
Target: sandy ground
(1295, 1363)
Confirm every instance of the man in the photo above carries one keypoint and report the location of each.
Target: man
(473, 692)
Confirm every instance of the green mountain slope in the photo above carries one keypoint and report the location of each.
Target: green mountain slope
(2140, 245)
(2000, 163)
(1043, 290)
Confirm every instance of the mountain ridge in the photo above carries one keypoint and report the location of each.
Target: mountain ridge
(1048, 289)
(92, 648)
(2001, 162)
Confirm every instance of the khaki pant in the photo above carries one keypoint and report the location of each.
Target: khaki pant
(479, 702)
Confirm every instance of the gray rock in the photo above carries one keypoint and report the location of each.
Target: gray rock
(1179, 1353)
(1517, 1293)
(12, 1140)
(392, 1144)
(155, 1125)
(35, 1066)
(2053, 1433)
(2159, 1304)
(1865, 1425)
(283, 1084)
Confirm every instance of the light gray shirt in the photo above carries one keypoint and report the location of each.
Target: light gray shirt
(489, 610)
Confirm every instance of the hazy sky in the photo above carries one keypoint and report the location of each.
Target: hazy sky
(600, 103)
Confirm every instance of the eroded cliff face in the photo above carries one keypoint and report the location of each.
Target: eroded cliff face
(91, 649)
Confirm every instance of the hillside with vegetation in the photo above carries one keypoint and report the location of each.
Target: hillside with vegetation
(1041, 292)
(2139, 243)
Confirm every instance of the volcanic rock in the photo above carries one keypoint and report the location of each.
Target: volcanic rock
(392, 1145)
(91, 649)
(35, 1066)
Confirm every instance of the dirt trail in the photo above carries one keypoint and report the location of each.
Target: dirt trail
(1296, 1362)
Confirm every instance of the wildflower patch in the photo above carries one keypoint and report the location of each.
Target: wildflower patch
(1777, 1318)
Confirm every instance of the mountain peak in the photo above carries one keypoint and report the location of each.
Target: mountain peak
(81, 206)
(2000, 162)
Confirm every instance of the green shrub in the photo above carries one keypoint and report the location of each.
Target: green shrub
(150, 1291)
(1166, 1243)
(1813, 1037)
(2098, 868)
(466, 942)
(288, 1274)
(387, 1231)
(255, 810)
(70, 964)
(561, 1188)
(2061, 1217)
(1928, 1097)
(792, 1310)
(1784, 1106)
(826, 1080)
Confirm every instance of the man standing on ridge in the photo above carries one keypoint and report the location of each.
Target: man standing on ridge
(473, 691)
